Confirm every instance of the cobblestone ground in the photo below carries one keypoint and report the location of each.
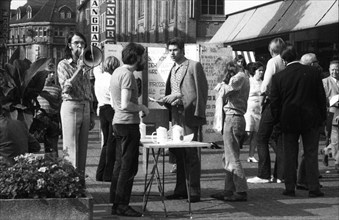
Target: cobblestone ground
(265, 201)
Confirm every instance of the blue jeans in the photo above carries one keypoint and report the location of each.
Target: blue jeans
(75, 120)
(234, 129)
(126, 163)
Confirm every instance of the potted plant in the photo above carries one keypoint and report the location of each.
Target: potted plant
(21, 82)
(36, 187)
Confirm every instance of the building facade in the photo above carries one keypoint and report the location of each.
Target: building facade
(4, 29)
(40, 27)
(150, 21)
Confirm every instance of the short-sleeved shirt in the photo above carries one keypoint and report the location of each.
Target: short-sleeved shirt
(123, 78)
(274, 65)
(80, 88)
(101, 86)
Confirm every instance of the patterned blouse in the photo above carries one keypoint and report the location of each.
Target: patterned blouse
(80, 88)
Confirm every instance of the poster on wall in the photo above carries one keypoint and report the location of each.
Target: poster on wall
(113, 50)
(209, 56)
(159, 66)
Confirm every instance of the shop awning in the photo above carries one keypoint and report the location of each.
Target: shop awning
(275, 18)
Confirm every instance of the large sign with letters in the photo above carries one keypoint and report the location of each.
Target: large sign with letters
(95, 15)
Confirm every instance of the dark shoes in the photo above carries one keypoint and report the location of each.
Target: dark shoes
(230, 197)
(336, 167)
(289, 193)
(325, 160)
(314, 194)
(126, 211)
(222, 195)
(176, 196)
(301, 187)
(114, 210)
(194, 199)
(236, 197)
(305, 187)
(218, 196)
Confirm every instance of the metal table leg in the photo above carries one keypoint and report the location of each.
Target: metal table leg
(148, 184)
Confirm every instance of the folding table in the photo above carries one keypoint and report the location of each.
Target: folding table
(156, 149)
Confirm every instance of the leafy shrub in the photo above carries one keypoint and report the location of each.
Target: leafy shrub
(34, 176)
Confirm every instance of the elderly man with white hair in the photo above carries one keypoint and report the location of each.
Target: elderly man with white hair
(331, 86)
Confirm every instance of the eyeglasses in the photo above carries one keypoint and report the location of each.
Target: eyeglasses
(79, 43)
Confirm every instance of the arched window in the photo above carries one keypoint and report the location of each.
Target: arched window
(65, 12)
(18, 14)
(29, 12)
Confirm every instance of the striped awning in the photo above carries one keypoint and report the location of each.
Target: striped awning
(276, 18)
(248, 55)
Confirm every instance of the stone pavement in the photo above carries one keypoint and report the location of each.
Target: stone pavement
(264, 200)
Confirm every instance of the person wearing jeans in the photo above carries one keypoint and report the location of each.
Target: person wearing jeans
(106, 112)
(266, 125)
(236, 93)
(126, 120)
(127, 136)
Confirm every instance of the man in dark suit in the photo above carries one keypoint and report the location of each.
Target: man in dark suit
(298, 101)
(186, 98)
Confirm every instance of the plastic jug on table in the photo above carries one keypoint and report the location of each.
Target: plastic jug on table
(161, 135)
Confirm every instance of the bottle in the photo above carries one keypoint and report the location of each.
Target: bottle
(142, 129)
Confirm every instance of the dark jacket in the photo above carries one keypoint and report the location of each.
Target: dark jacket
(15, 139)
(194, 88)
(298, 98)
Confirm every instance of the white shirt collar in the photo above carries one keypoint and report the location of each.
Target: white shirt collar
(292, 62)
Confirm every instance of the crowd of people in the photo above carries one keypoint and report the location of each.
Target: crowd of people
(282, 105)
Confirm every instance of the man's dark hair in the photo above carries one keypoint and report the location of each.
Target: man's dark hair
(68, 52)
(289, 54)
(176, 41)
(131, 53)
